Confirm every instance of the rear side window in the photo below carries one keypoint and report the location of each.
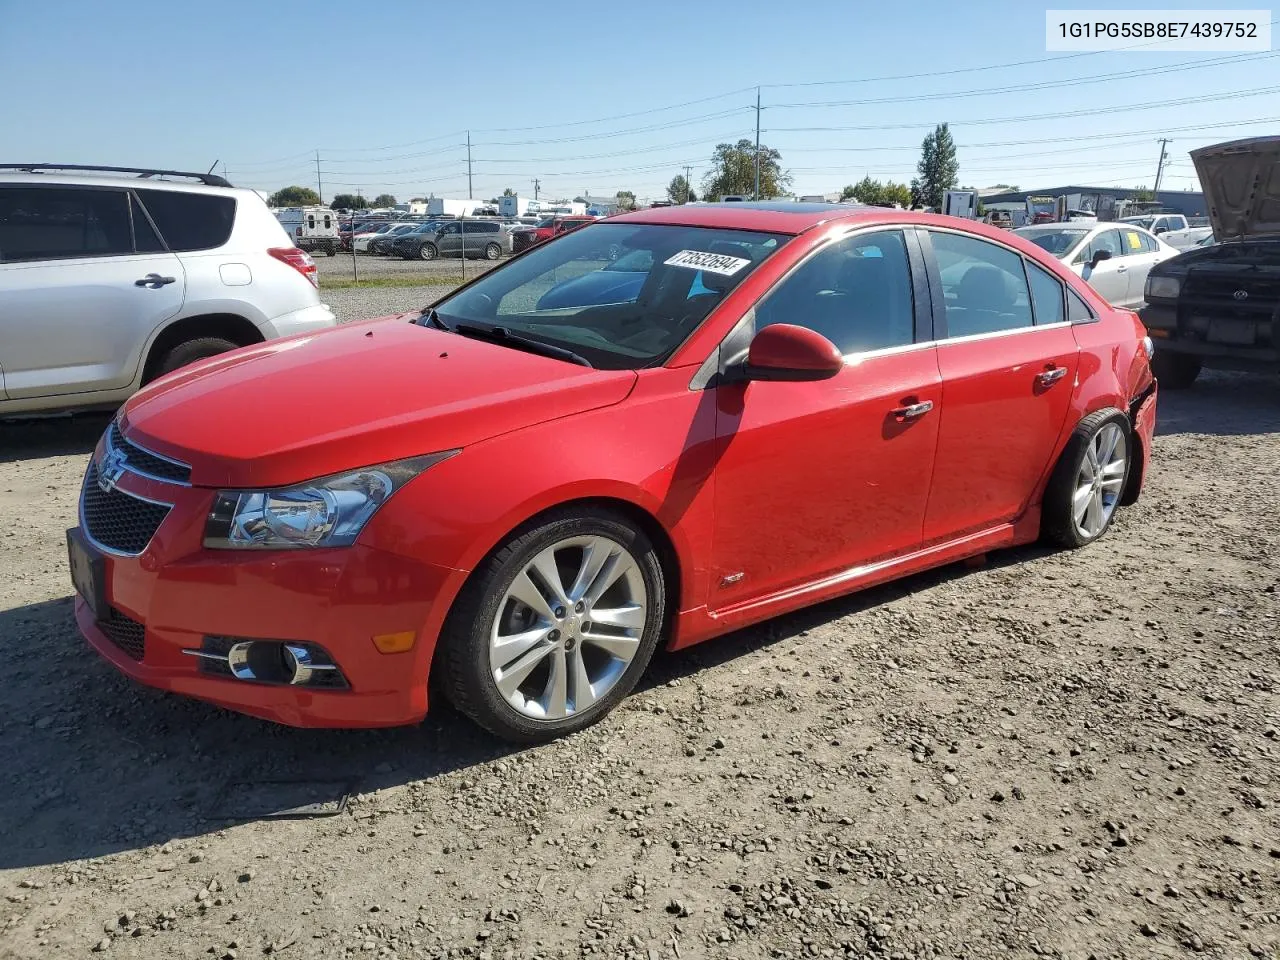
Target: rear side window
(1077, 310)
(55, 223)
(984, 285)
(190, 221)
(145, 238)
(1046, 295)
(1148, 243)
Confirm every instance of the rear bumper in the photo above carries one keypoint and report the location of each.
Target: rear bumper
(306, 320)
(1142, 414)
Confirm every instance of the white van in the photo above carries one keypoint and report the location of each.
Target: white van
(314, 229)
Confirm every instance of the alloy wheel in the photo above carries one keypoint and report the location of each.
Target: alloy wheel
(567, 628)
(1100, 480)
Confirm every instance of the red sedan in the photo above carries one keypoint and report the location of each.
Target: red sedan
(652, 430)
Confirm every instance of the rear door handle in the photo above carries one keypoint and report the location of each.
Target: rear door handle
(1121, 268)
(1051, 375)
(913, 410)
(154, 281)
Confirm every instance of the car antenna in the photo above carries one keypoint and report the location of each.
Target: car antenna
(214, 167)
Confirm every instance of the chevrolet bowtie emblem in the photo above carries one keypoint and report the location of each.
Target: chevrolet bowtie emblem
(111, 469)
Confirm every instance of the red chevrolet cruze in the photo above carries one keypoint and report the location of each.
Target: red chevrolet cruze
(648, 431)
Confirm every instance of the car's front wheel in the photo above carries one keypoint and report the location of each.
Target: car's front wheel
(1088, 481)
(1175, 371)
(555, 628)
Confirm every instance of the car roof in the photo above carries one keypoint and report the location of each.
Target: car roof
(769, 216)
(59, 179)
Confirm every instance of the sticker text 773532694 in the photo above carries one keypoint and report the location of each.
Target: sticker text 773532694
(710, 262)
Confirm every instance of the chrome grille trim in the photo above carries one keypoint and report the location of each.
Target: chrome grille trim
(147, 463)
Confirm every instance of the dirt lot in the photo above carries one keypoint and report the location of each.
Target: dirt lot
(1057, 754)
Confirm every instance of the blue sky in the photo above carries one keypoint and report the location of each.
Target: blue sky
(599, 96)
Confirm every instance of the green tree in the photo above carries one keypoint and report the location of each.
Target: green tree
(294, 196)
(1144, 195)
(679, 190)
(508, 192)
(867, 190)
(384, 200)
(733, 171)
(938, 167)
(348, 201)
(626, 200)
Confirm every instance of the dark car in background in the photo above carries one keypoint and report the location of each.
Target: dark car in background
(455, 238)
(1218, 305)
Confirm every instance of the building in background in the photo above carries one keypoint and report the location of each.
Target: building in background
(1107, 202)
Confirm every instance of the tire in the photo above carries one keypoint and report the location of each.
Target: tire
(486, 608)
(493, 252)
(190, 351)
(1175, 371)
(427, 251)
(1061, 522)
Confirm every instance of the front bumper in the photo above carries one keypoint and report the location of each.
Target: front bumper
(306, 320)
(175, 593)
(1172, 336)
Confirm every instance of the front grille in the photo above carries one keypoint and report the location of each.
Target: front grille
(117, 520)
(146, 462)
(125, 632)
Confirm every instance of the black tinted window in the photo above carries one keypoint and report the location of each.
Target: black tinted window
(1077, 310)
(1046, 295)
(47, 223)
(984, 286)
(856, 293)
(145, 238)
(190, 221)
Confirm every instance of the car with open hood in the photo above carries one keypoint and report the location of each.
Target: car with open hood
(1218, 304)
(645, 432)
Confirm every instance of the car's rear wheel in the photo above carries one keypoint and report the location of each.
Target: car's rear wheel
(1175, 371)
(1084, 491)
(427, 251)
(192, 350)
(555, 628)
(492, 251)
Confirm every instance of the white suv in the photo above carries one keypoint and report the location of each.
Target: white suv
(110, 277)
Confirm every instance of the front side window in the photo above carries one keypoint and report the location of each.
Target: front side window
(54, 223)
(856, 292)
(984, 286)
(1108, 240)
(624, 296)
(191, 221)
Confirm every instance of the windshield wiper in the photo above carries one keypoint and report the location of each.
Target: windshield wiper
(498, 334)
(432, 319)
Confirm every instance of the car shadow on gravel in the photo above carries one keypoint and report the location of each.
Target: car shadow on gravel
(1221, 403)
(99, 765)
(51, 437)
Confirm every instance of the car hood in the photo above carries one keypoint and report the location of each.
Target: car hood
(294, 409)
(1241, 183)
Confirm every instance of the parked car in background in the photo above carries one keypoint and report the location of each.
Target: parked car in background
(1158, 223)
(473, 239)
(1218, 304)
(516, 506)
(1186, 239)
(547, 228)
(314, 229)
(360, 241)
(384, 243)
(110, 278)
(1113, 258)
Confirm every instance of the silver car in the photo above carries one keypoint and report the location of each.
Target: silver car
(1113, 258)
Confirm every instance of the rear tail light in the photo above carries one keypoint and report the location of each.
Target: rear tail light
(300, 260)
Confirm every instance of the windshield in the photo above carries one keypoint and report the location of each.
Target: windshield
(623, 296)
(1055, 240)
(548, 222)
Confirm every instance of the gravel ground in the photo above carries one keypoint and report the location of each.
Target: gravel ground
(339, 267)
(1054, 754)
(360, 303)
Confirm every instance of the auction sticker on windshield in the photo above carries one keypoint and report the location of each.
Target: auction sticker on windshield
(720, 263)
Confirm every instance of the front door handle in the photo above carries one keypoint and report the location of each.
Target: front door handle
(1051, 375)
(913, 410)
(154, 281)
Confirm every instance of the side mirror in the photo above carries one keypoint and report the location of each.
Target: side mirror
(1099, 257)
(785, 351)
(1160, 230)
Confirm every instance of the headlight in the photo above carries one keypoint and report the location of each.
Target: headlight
(329, 512)
(1166, 288)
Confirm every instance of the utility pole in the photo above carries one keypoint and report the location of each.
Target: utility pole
(757, 196)
(319, 186)
(224, 172)
(536, 184)
(1164, 142)
(470, 195)
(687, 168)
